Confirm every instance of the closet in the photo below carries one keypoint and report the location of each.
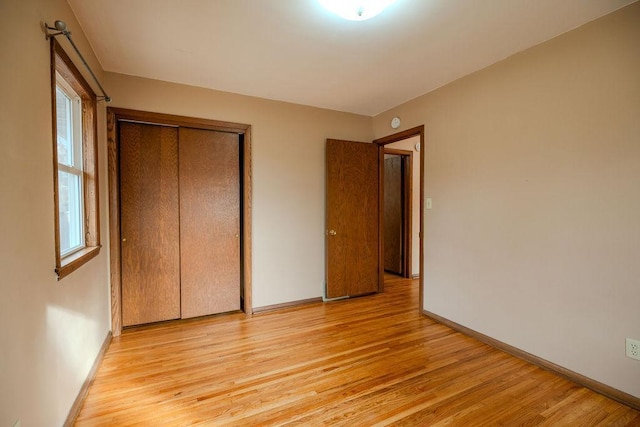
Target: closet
(180, 221)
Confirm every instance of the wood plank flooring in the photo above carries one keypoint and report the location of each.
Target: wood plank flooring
(371, 361)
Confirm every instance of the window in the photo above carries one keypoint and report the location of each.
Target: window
(75, 165)
(69, 151)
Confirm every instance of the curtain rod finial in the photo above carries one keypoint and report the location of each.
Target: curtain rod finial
(60, 26)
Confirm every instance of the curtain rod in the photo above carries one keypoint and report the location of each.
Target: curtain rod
(61, 29)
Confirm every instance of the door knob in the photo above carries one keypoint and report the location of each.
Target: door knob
(124, 240)
(331, 233)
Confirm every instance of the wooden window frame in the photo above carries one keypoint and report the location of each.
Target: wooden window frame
(62, 64)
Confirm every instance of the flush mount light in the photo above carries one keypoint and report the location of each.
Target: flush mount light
(356, 10)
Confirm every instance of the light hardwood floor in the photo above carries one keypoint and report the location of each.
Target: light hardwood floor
(360, 362)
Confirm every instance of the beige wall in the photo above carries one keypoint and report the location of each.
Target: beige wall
(533, 165)
(288, 150)
(410, 144)
(50, 331)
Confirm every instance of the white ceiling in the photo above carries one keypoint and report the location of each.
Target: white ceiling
(295, 51)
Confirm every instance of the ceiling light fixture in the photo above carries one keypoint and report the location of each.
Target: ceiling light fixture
(356, 10)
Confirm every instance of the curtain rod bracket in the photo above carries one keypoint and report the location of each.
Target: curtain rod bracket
(61, 29)
(58, 26)
(49, 35)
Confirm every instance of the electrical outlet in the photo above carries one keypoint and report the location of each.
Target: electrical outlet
(633, 349)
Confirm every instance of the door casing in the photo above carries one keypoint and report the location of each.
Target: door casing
(114, 116)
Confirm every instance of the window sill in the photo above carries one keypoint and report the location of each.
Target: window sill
(74, 261)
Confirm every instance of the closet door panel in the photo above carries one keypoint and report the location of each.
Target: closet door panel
(150, 252)
(209, 171)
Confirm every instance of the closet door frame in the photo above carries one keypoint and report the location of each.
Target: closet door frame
(116, 115)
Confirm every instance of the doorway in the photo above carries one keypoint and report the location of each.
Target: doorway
(192, 136)
(409, 140)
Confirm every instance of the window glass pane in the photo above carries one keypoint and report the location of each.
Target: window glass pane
(70, 211)
(64, 112)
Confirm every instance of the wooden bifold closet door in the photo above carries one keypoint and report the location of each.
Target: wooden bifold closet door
(180, 222)
(149, 223)
(209, 221)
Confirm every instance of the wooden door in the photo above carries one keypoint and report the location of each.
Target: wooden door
(393, 214)
(352, 218)
(149, 223)
(209, 221)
